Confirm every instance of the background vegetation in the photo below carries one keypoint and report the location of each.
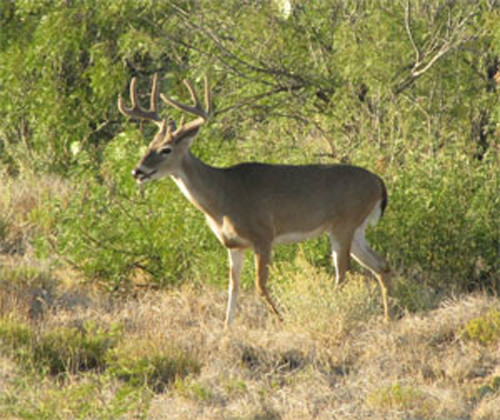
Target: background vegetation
(408, 89)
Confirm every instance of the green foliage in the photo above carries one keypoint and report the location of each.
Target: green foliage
(141, 363)
(403, 397)
(492, 387)
(442, 220)
(90, 397)
(71, 349)
(140, 236)
(62, 70)
(405, 89)
(14, 334)
(485, 329)
(61, 350)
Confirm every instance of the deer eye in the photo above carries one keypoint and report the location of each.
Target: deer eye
(166, 151)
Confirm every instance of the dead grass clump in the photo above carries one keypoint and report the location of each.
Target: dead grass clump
(22, 202)
(312, 302)
(488, 408)
(33, 290)
(27, 288)
(253, 358)
(27, 284)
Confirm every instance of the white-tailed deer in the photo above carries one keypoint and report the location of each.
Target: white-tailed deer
(256, 205)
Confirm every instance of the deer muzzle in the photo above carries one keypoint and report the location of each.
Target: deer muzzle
(140, 175)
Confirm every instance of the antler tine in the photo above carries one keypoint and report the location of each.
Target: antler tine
(208, 96)
(153, 102)
(194, 96)
(121, 106)
(136, 111)
(132, 92)
(195, 109)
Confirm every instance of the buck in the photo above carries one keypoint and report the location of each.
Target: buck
(258, 205)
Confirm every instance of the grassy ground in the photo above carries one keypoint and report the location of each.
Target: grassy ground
(166, 355)
(69, 351)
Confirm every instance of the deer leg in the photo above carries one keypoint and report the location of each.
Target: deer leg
(367, 257)
(340, 257)
(236, 257)
(262, 260)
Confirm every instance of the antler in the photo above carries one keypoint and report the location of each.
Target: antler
(136, 111)
(196, 109)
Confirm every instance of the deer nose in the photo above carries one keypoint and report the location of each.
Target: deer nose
(138, 173)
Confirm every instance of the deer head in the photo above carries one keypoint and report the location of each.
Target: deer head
(165, 152)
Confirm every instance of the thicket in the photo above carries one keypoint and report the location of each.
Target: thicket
(408, 89)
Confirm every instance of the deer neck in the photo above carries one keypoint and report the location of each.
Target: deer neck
(201, 184)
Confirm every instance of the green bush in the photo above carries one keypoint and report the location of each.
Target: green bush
(441, 220)
(484, 329)
(319, 92)
(56, 90)
(492, 387)
(118, 235)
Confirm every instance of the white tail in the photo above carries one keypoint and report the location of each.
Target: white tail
(256, 205)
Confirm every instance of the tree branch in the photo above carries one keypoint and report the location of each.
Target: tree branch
(426, 59)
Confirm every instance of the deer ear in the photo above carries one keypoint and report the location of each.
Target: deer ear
(172, 126)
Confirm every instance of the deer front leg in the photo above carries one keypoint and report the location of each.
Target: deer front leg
(236, 257)
(262, 260)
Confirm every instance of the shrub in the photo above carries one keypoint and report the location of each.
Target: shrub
(490, 388)
(441, 218)
(117, 235)
(193, 390)
(484, 330)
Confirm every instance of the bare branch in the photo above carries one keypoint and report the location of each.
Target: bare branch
(409, 32)
(434, 49)
(415, 72)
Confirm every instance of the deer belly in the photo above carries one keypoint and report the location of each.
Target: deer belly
(226, 233)
(290, 237)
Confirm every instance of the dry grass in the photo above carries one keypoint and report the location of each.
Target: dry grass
(20, 200)
(419, 367)
(413, 368)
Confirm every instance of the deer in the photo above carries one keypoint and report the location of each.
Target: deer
(257, 205)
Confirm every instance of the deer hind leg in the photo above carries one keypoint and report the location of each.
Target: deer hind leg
(236, 257)
(340, 257)
(262, 261)
(367, 257)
